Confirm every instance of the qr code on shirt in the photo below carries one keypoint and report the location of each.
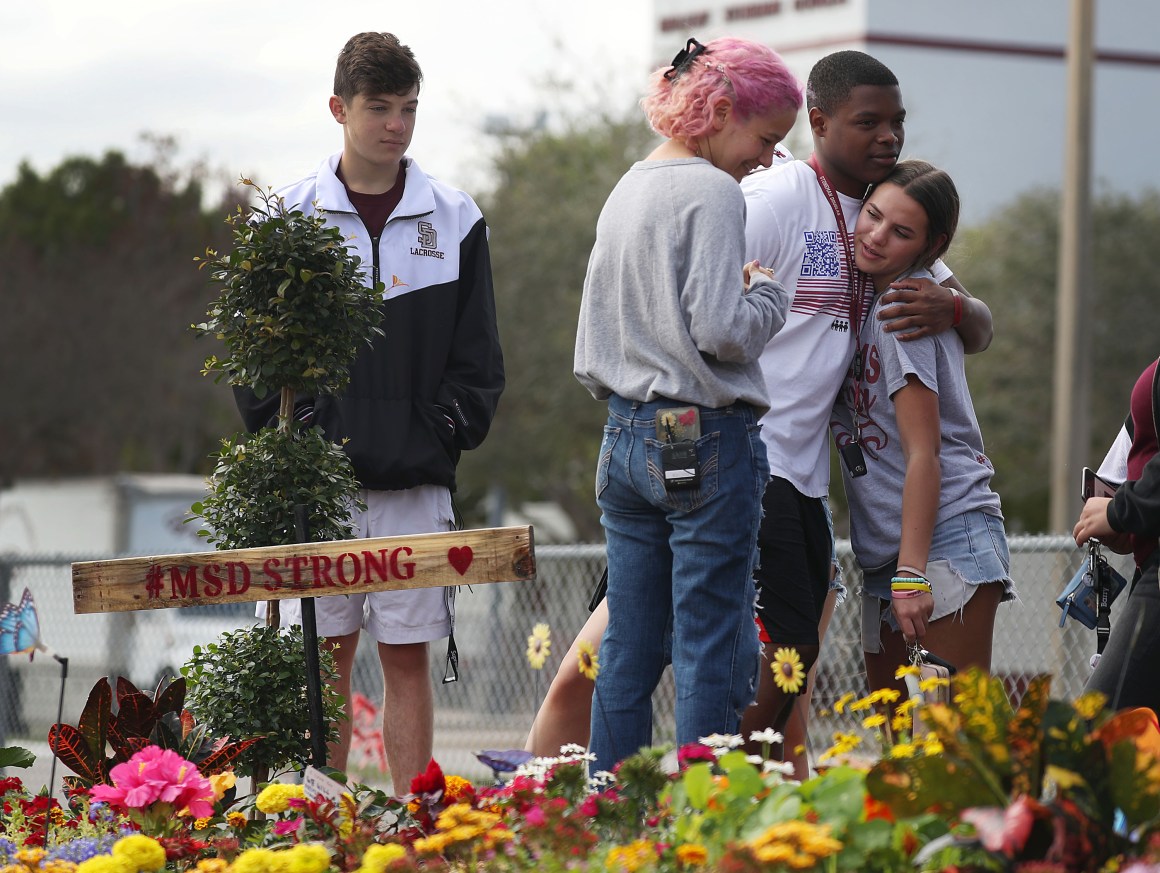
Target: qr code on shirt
(821, 257)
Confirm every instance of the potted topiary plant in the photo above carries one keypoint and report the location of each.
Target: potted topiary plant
(249, 684)
(292, 313)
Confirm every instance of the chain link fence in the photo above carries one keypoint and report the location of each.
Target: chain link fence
(493, 703)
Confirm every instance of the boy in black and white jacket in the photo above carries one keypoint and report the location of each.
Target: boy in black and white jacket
(423, 393)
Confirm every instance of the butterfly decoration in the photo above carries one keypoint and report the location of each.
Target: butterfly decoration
(505, 761)
(20, 628)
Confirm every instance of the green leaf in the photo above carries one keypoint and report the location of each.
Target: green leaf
(14, 756)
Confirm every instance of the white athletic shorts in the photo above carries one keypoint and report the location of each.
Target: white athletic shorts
(417, 615)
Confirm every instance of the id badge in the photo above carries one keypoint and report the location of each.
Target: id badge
(679, 465)
(678, 428)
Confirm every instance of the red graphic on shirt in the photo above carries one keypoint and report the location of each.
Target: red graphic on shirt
(874, 438)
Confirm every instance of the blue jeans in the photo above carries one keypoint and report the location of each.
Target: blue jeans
(679, 562)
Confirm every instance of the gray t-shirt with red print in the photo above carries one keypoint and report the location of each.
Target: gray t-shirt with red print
(876, 498)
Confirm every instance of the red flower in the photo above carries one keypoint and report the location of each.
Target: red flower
(876, 809)
(12, 783)
(429, 781)
(692, 753)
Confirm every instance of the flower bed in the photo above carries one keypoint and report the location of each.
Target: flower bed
(1048, 786)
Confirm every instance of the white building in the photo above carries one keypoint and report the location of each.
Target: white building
(983, 80)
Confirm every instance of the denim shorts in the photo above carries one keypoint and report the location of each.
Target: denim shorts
(966, 551)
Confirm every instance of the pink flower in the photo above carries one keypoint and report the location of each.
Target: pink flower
(1003, 830)
(289, 826)
(692, 753)
(156, 775)
(535, 817)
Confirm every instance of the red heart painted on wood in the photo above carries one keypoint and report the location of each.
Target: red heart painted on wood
(460, 558)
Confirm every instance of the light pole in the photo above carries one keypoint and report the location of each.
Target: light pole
(1071, 409)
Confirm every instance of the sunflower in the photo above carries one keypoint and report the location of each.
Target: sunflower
(539, 646)
(589, 665)
(788, 673)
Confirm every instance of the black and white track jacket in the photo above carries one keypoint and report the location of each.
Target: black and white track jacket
(428, 389)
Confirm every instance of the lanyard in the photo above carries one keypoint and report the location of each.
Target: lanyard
(857, 283)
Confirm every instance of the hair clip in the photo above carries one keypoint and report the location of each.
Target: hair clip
(684, 58)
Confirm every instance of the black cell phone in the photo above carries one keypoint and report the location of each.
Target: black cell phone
(1094, 486)
(854, 459)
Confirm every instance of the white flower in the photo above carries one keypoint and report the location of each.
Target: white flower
(785, 768)
(601, 778)
(721, 742)
(755, 760)
(769, 735)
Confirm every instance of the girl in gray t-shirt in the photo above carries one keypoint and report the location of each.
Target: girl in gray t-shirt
(926, 527)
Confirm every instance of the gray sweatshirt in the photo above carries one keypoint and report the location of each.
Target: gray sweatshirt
(664, 313)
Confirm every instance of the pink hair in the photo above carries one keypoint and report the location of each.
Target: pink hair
(750, 74)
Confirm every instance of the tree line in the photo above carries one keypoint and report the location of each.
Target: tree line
(102, 374)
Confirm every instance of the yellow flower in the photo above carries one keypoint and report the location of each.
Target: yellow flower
(906, 670)
(901, 722)
(631, 857)
(931, 746)
(843, 744)
(236, 819)
(54, 865)
(140, 852)
(276, 797)
(539, 646)
(200, 824)
(788, 673)
(212, 865)
(105, 864)
(692, 854)
(379, 856)
(885, 695)
(873, 721)
(308, 858)
(589, 664)
(776, 853)
(861, 704)
(932, 682)
(30, 857)
(1089, 705)
(456, 788)
(902, 750)
(841, 703)
(432, 845)
(257, 861)
(222, 782)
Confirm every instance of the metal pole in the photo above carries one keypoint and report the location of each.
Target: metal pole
(310, 640)
(1071, 429)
